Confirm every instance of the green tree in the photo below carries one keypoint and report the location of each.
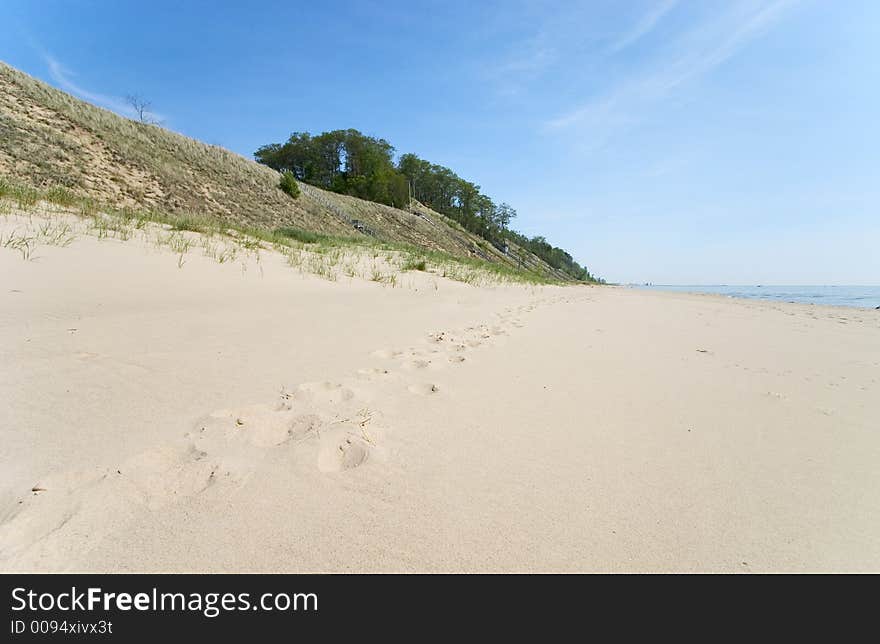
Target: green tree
(504, 214)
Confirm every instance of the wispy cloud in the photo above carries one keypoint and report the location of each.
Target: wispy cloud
(644, 26)
(539, 38)
(692, 55)
(526, 62)
(536, 59)
(63, 78)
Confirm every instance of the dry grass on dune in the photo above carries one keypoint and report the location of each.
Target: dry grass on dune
(32, 220)
(51, 139)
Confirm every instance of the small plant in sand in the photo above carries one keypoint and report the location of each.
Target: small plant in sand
(248, 244)
(55, 233)
(22, 243)
(140, 222)
(294, 258)
(415, 264)
(318, 265)
(365, 417)
(209, 248)
(217, 252)
(191, 223)
(177, 242)
(122, 229)
(100, 227)
(25, 197)
(226, 255)
(61, 196)
(333, 255)
(88, 208)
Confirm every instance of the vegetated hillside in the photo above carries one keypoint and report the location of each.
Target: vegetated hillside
(352, 163)
(49, 138)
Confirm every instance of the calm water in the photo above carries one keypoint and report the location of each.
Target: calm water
(867, 297)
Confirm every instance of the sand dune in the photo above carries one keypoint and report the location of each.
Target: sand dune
(249, 417)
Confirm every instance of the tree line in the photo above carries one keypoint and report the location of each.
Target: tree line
(352, 163)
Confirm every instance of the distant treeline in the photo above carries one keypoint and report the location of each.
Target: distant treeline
(351, 163)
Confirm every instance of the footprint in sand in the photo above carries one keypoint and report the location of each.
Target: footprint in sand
(304, 426)
(161, 476)
(322, 393)
(423, 389)
(258, 426)
(386, 354)
(221, 448)
(69, 503)
(373, 373)
(341, 450)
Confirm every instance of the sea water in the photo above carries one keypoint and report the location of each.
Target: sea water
(867, 297)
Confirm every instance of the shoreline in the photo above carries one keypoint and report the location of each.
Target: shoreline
(780, 300)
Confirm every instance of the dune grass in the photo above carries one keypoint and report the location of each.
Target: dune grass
(415, 264)
(304, 236)
(318, 253)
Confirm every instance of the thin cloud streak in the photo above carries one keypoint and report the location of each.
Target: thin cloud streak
(644, 26)
(536, 61)
(555, 35)
(113, 103)
(698, 53)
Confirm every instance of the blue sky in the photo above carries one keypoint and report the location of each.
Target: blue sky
(669, 141)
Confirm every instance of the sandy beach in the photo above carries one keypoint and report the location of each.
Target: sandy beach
(197, 416)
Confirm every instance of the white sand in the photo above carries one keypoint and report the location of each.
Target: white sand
(209, 419)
